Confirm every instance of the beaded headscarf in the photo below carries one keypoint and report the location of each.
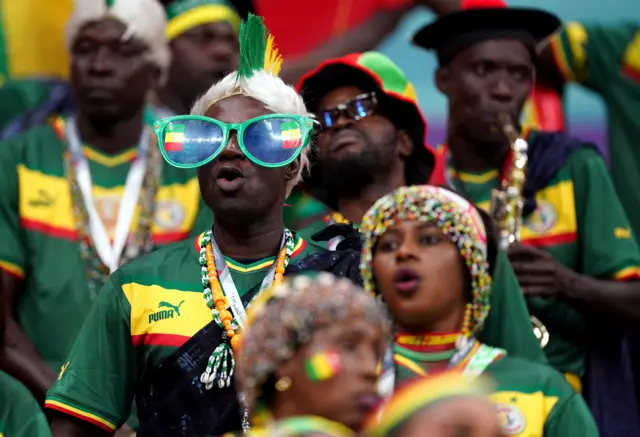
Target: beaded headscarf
(285, 319)
(457, 219)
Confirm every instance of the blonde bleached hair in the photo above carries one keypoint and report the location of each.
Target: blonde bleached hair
(145, 20)
(272, 92)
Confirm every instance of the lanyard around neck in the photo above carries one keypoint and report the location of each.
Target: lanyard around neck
(229, 287)
(109, 253)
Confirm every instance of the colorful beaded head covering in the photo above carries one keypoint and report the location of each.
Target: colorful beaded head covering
(457, 219)
(418, 395)
(285, 319)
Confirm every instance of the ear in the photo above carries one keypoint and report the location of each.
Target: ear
(405, 144)
(443, 80)
(291, 171)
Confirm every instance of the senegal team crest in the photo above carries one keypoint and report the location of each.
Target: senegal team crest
(170, 214)
(543, 219)
(511, 418)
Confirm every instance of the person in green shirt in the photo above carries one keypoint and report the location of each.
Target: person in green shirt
(83, 194)
(577, 260)
(20, 414)
(373, 142)
(202, 38)
(429, 255)
(165, 326)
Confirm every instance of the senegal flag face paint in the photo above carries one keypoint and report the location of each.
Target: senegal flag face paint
(323, 365)
(272, 140)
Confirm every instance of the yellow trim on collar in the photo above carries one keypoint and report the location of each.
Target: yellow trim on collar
(201, 15)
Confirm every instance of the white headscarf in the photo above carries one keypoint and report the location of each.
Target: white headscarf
(145, 20)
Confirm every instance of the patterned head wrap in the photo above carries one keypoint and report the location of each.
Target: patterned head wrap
(418, 395)
(458, 219)
(145, 20)
(285, 318)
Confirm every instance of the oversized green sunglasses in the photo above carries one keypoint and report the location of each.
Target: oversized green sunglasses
(273, 140)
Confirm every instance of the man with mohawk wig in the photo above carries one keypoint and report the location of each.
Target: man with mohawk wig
(85, 193)
(165, 327)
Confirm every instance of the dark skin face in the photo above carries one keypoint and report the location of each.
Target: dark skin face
(351, 151)
(349, 396)
(456, 417)
(489, 78)
(260, 191)
(110, 77)
(201, 57)
(435, 300)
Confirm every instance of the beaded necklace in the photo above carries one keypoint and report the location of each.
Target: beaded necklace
(139, 242)
(221, 364)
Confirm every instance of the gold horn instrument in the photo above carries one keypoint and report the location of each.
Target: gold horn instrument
(507, 203)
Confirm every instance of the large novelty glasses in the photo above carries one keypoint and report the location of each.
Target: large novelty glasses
(356, 109)
(273, 140)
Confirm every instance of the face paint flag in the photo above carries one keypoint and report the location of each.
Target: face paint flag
(291, 135)
(323, 365)
(173, 137)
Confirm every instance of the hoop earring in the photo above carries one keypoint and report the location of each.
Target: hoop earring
(283, 384)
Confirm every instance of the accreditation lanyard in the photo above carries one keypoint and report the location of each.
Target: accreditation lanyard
(229, 287)
(108, 252)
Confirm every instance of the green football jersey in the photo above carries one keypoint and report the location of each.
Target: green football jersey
(532, 399)
(580, 221)
(507, 325)
(606, 59)
(19, 97)
(38, 229)
(20, 414)
(151, 307)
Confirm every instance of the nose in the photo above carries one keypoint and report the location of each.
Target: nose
(368, 365)
(342, 121)
(502, 89)
(406, 250)
(232, 149)
(102, 61)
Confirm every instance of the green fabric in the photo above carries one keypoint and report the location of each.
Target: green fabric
(179, 7)
(19, 97)
(20, 414)
(300, 208)
(592, 238)
(605, 49)
(507, 325)
(122, 339)
(37, 231)
(532, 399)
(392, 77)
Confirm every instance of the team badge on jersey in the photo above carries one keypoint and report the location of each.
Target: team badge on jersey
(511, 418)
(169, 214)
(543, 219)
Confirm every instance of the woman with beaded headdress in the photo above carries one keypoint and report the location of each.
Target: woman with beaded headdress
(428, 254)
(308, 363)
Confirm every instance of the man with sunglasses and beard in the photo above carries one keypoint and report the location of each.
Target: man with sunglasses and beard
(372, 142)
(577, 262)
(167, 325)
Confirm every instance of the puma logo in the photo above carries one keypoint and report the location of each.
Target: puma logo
(165, 314)
(168, 305)
(43, 199)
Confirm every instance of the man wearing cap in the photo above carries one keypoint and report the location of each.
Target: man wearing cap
(578, 260)
(202, 36)
(83, 194)
(372, 142)
(203, 39)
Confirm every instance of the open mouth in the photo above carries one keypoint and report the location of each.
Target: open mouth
(406, 281)
(229, 178)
